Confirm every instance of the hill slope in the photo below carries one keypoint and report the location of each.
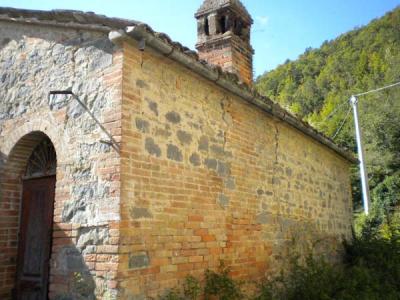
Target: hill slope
(320, 80)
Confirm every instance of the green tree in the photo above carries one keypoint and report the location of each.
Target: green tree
(320, 80)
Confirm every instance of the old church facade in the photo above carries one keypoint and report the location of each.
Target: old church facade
(172, 164)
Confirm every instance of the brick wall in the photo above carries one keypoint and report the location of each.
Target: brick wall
(202, 175)
(231, 54)
(33, 61)
(206, 176)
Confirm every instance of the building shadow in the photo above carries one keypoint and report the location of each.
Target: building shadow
(3, 158)
(71, 275)
(2, 161)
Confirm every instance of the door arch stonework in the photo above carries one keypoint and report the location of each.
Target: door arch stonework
(13, 173)
(70, 274)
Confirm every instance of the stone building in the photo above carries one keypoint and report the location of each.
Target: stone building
(169, 166)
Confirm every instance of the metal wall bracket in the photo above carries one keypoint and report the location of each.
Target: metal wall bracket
(112, 142)
(142, 44)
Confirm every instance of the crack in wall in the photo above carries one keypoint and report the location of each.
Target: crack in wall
(276, 143)
(72, 84)
(225, 104)
(276, 162)
(73, 60)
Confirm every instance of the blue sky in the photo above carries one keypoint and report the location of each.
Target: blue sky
(283, 28)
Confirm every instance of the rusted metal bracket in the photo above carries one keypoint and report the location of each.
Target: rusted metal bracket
(112, 142)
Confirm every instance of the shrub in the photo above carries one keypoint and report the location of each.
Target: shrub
(173, 294)
(221, 285)
(316, 279)
(376, 252)
(191, 290)
(370, 269)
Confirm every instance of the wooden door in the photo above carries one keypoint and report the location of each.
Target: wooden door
(35, 238)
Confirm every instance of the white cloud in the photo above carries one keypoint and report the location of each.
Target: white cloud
(262, 20)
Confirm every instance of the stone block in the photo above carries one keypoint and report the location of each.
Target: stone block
(139, 260)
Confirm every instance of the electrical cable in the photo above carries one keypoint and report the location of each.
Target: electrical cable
(335, 110)
(379, 89)
(342, 124)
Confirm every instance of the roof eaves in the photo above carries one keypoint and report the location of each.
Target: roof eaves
(121, 28)
(64, 18)
(163, 44)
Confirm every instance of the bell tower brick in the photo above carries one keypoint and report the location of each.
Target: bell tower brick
(223, 29)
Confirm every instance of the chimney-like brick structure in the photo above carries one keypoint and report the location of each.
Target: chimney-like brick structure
(224, 37)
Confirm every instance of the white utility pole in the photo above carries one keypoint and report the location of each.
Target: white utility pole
(361, 156)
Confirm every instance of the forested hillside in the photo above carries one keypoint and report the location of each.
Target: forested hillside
(316, 85)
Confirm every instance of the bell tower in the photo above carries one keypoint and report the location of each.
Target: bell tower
(223, 29)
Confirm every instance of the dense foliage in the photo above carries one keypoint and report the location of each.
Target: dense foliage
(318, 84)
(370, 268)
(220, 284)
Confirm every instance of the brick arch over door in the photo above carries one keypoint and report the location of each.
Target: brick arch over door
(15, 160)
(36, 126)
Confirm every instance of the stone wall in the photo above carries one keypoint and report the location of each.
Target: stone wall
(33, 61)
(206, 176)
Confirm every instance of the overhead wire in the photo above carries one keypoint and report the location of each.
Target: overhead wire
(332, 113)
(378, 90)
(342, 124)
(337, 108)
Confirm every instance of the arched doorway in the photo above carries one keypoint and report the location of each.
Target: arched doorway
(36, 222)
